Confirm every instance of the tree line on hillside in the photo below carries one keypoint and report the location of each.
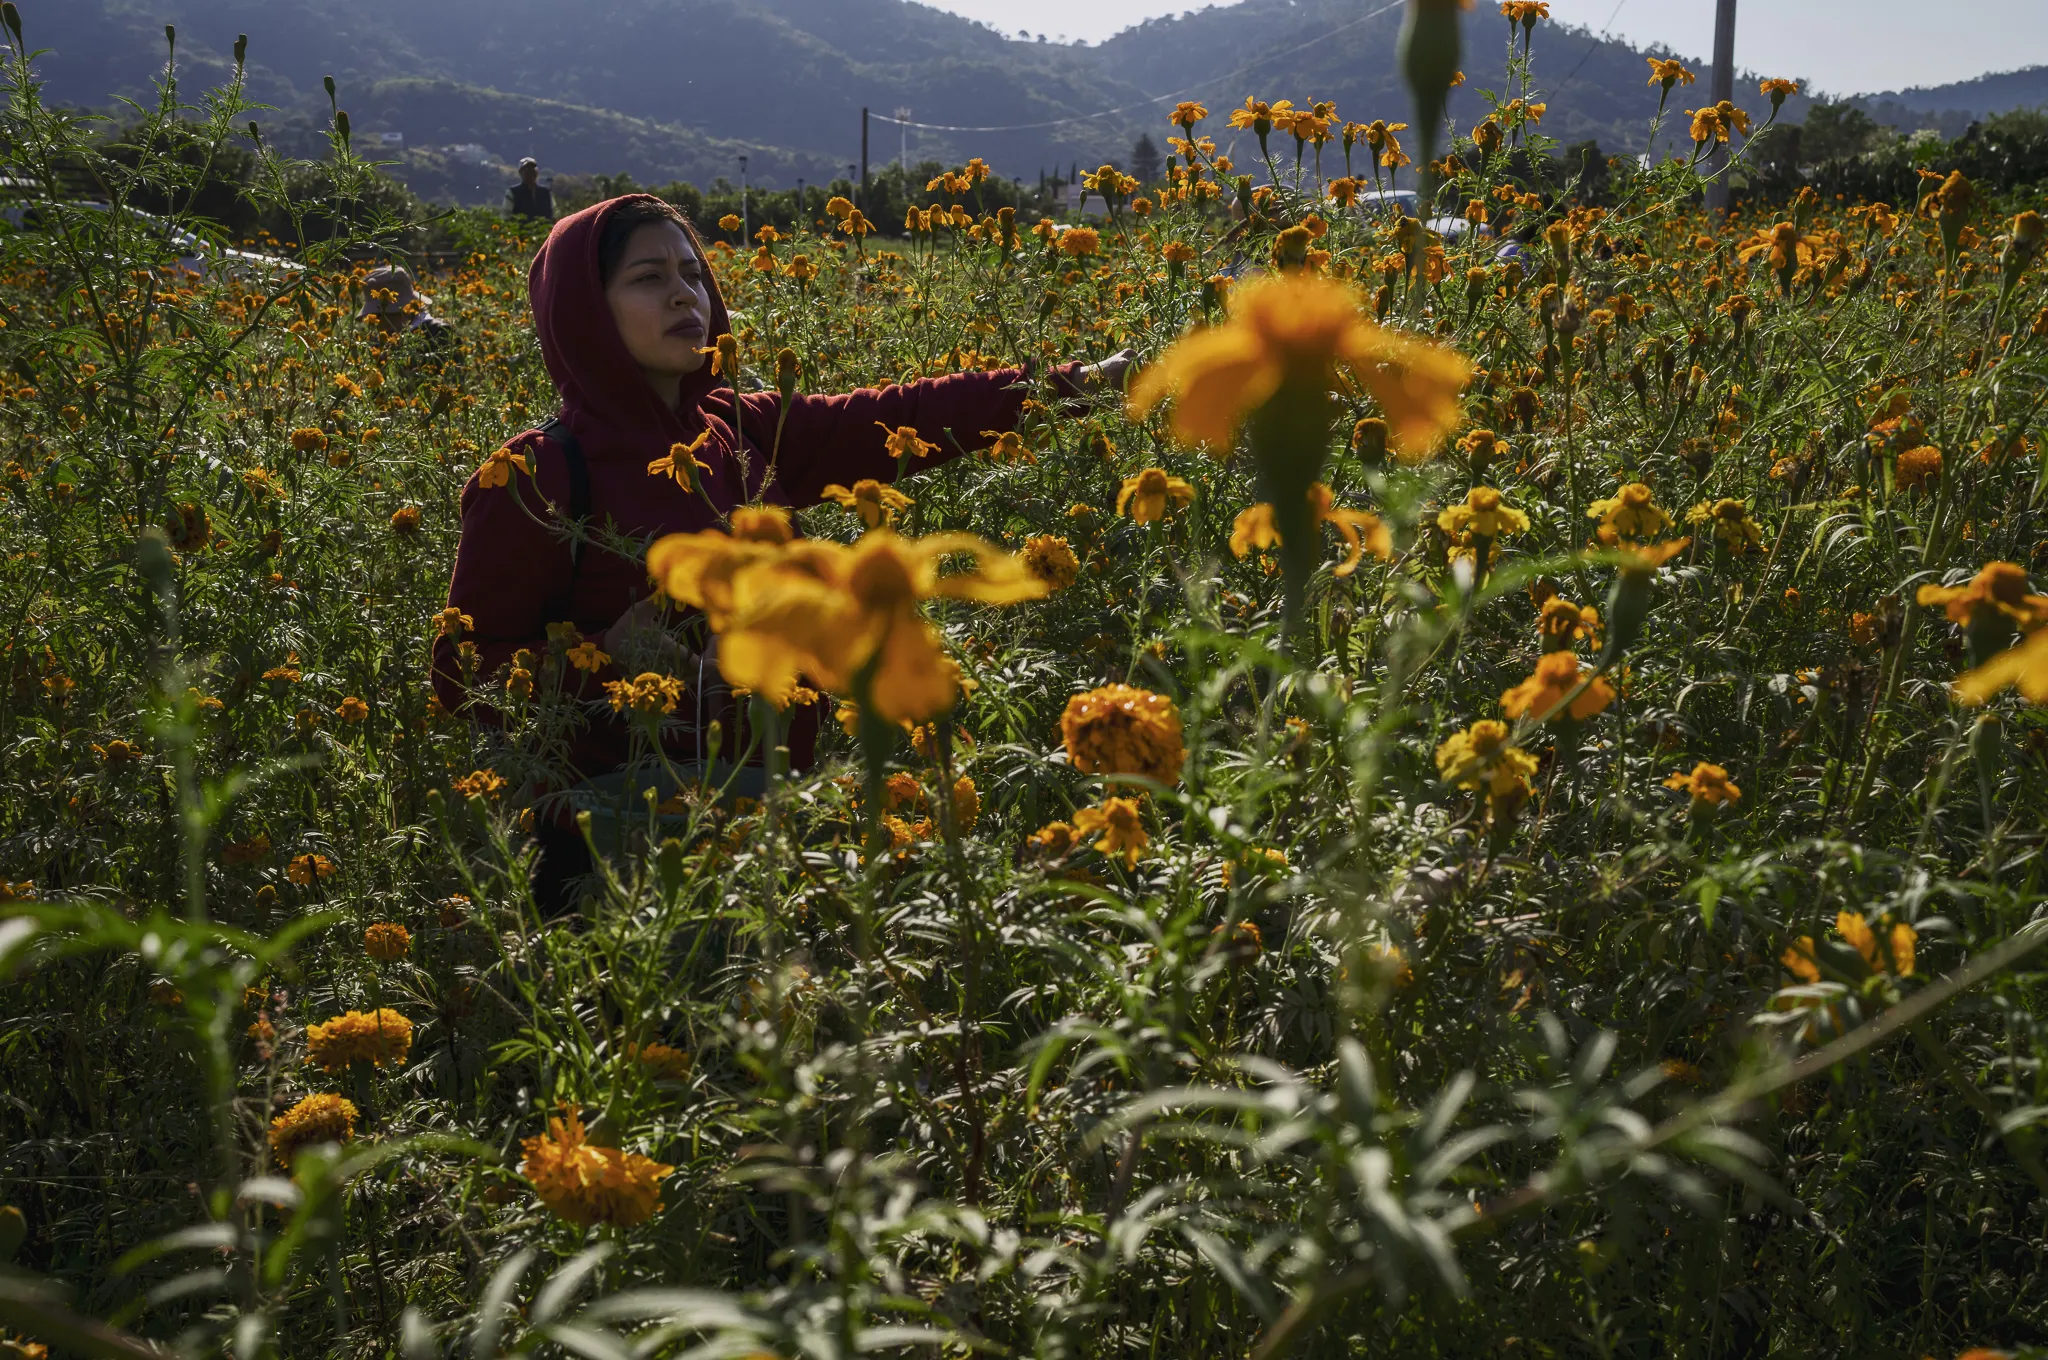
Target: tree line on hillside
(1839, 149)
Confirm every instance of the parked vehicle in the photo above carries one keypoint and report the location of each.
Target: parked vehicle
(181, 250)
(1403, 201)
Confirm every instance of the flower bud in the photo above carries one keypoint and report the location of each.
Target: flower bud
(1429, 59)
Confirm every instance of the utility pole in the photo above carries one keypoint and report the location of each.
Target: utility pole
(800, 203)
(1723, 88)
(903, 149)
(746, 227)
(862, 192)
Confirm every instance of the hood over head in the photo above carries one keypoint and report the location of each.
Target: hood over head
(607, 401)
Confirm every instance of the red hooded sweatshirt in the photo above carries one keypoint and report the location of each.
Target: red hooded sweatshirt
(513, 569)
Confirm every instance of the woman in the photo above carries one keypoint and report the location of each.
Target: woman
(625, 306)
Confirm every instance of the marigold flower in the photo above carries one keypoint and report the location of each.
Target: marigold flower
(1561, 623)
(1556, 675)
(352, 710)
(405, 520)
(1007, 448)
(1777, 91)
(1120, 824)
(1669, 72)
(1257, 527)
(319, 1118)
(449, 623)
(827, 610)
(587, 1185)
(308, 440)
(966, 805)
(2024, 668)
(682, 462)
(875, 502)
(1051, 559)
(480, 784)
(761, 524)
(1080, 242)
(1187, 113)
(903, 443)
(1120, 729)
(379, 1037)
(1054, 840)
(1998, 590)
(1145, 496)
(1482, 757)
(1631, 513)
(588, 656)
(1299, 329)
(646, 695)
(386, 941)
(305, 869)
(660, 1061)
(496, 470)
(1917, 467)
(1707, 784)
(1483, 514)
(1737, 532)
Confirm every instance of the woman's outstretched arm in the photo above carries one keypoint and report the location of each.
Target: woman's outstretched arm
(843, 438)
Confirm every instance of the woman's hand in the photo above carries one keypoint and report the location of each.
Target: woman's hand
(639, 642)
(1090, 379)
(1109, 375)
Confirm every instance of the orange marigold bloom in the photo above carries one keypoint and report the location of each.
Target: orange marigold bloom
(1556, 676)
(1300, 329)
(497, 469)
(319, 1118)
(1121, 826)
(1051, 559)
(875, 502)
(382, 1036)
(2024, 668)
(386, 941)
(1707, 784)
(660, 1061)
(586, 1184)
(1917, 467)
(1669, 73)
(1257, 527)
(1145, 496)
(1120, 729)
(2000, 588)
(304, 869)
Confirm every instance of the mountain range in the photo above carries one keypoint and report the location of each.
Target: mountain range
(680, 89)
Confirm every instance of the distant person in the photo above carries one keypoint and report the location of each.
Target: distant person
(531, 198)
(397, 307)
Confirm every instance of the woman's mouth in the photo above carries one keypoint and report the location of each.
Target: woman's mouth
(691, 329)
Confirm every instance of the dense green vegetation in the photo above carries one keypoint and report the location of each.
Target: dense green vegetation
(1586, 902)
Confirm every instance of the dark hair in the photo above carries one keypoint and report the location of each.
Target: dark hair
(627, 218)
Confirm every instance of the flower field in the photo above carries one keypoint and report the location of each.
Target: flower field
(1487, 805)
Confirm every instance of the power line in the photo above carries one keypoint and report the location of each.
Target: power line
(1156, 99)
(1603, 37)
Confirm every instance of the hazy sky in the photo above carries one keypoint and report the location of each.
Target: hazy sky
(1841, 46)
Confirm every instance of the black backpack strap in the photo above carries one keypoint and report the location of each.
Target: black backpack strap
(579, 481)
(579, 505)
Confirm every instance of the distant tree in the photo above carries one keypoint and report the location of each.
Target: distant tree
(1145, 162)
(1835, 132)
(1589, 163)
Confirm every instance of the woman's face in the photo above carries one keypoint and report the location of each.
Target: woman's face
(660, 302)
